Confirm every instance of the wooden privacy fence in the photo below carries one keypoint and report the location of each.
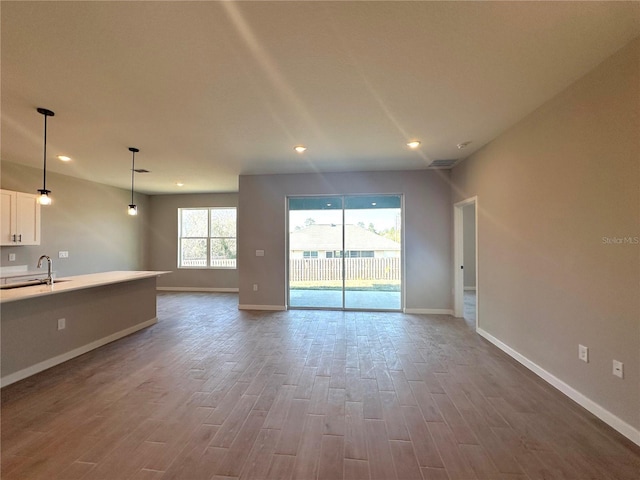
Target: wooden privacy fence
(315, 269)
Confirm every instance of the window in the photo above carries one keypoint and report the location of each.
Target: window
(207, 237)
(310, 254)
(359, 254)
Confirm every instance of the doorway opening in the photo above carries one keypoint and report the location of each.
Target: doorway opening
(345, 252)
(465, 215)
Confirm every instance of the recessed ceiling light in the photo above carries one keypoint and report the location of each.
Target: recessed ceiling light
(180, 184)
(413, 144)
(463, 144)
(373, 203)
(300, 148)
(64, 158)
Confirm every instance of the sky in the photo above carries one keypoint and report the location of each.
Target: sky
(382, 218)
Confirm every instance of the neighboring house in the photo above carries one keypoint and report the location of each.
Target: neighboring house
(325, 241)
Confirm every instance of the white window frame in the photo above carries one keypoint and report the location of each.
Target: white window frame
(208, 239)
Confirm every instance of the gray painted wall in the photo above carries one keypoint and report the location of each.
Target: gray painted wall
(164, 242)
(87, 219)
(549, 190)
(469, 245)
(427, 230)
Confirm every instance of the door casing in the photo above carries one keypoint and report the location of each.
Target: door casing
(458, 258)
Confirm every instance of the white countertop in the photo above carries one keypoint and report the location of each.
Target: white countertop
(78, 282)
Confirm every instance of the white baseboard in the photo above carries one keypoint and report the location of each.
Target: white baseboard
(262, 307)
(52, 362)
(470, 288)
(603, 414)
(429, 311)
(197, 289)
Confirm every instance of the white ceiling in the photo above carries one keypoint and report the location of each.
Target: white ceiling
(211, 90)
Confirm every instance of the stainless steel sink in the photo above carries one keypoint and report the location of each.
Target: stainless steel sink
(29, 283)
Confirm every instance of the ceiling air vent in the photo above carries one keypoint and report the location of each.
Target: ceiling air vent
(443, 163)
(140, 170)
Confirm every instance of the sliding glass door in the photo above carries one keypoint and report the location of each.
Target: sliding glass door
(345, 252)
(315, 246)
(372, 238)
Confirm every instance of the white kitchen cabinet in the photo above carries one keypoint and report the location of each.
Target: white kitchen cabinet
(20, 223)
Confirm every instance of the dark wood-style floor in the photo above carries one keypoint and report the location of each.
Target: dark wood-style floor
(211, 392)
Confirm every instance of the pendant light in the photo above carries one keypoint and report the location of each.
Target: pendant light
(133, 209)
(44, 198)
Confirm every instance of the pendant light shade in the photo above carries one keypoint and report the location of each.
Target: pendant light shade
(44, 198)
(133, 209)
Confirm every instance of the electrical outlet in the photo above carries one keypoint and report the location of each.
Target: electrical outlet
(62, 323)
(255, 287)
(63, 254)
(618, 369)
(12, 257)
(583, 353)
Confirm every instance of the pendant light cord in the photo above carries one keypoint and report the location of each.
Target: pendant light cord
(44, 174)
(133, 171)
(44, 192)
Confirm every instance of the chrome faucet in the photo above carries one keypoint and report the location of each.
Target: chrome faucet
(49, 265)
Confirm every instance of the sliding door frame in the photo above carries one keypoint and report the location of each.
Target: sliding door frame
(343, 263)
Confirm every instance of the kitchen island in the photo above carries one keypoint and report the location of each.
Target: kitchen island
(45, 325)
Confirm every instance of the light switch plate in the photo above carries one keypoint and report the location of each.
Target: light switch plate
(259, 253)
(618, 369)
(63, 254)
(12, 257)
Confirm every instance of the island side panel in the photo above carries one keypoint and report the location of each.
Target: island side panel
(31, 341)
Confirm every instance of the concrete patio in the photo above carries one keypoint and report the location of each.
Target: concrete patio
(357, 299)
